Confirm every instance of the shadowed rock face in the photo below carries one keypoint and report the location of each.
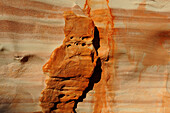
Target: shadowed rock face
(71, 66)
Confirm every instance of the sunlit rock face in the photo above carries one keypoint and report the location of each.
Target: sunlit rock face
(71, 66)
(134, 39)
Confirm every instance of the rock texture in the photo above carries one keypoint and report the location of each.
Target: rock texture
(71, 66)
(134, 55)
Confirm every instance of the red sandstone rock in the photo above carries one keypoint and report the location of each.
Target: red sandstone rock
(134, 49)
(70, 66)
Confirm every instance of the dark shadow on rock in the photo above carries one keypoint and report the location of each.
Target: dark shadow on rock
(96, 40)
(95, 78)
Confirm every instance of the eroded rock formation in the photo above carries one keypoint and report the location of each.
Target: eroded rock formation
(71, 66)
(134, 52)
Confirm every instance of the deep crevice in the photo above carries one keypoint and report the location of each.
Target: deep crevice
(95, 78)
(96, 40)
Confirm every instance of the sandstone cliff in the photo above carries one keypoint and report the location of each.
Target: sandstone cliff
(124, 56)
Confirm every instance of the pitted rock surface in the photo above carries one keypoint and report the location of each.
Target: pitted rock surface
(70, 66)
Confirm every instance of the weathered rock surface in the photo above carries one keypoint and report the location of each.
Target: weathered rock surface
(134, 52)
(71, 66)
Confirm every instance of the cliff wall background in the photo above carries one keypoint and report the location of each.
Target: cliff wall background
(134, 52)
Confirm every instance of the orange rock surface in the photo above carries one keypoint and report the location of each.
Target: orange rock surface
(125, 69)
(71, 66)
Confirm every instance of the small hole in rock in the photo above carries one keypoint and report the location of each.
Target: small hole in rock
(17, 56)
(25, 59)
(76, 43)
(83, 44)
(61, 95)
(84, 37)
(71, 37)
(69, 45)
(2, 49)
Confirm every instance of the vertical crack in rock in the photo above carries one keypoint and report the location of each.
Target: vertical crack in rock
(73, 68)
(95, 78)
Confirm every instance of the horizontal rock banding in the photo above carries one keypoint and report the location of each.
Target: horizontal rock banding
(70, 66)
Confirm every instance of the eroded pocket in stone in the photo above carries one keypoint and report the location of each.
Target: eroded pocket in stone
(83, 44)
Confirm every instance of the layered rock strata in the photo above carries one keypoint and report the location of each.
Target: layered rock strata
(134, 52)
(71, 66)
